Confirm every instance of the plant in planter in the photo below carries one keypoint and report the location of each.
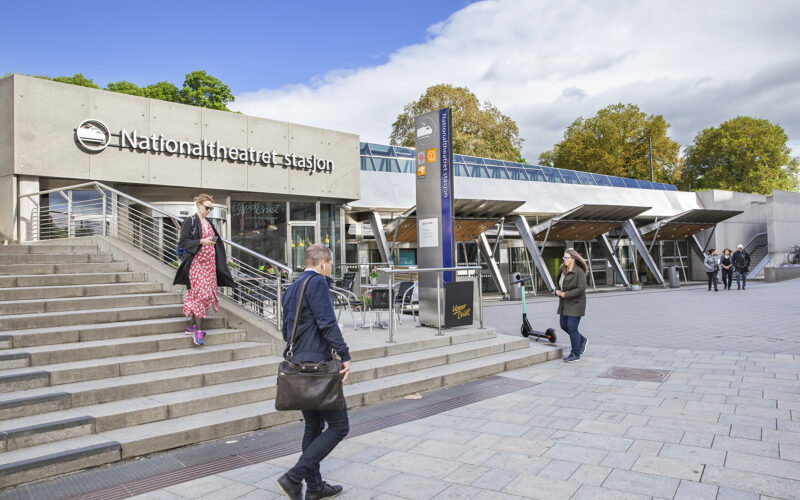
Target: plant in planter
(365, 300)
(373, 276)
(636, 285)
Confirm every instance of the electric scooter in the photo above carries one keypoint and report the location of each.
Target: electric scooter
(526, 329)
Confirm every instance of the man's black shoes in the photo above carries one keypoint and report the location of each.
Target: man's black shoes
(327, 491)
(291, 489)
(571, 358)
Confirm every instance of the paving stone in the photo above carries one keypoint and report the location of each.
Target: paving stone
(413, 486)
(733, 494)
(751, 481)
(699, 439)
(460, 491)
(234, 491)
(530, 486)
(475, 455)
(440, 449)
(591, 474)
(770, 466)
(368, 455)
(516, 462)
(591, 492)
(745, 431)
(466, 474)
(564, 423)
(750, 446)
(668, 467)
(416, 464)
(504, 429)
(646, 448)
(655, 434)
(494, 479)
(363, 475)
(763, 422)
(451, 435)
(789, 452)
(691, 490)
(619, 460)
(522, 445)
(199, 487)
(645, 484)
(575, 453)
(559, 469)
(252, 473)
(602, 442)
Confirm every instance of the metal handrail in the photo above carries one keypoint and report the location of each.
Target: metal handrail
(754, 238)
(438, 270)
(259, 290)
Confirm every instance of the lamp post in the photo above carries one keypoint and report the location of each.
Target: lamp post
(650, 143)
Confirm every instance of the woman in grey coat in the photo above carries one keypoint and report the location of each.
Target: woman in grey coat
(571, 291)
(711, 264)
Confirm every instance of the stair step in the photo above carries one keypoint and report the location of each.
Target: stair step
(31, 306)
(28, 269)
(67, 291)
(45, 249)
(93, 349)
(68, 318)
(28, 280)
(206, 398)
(102, 331)
(55, 374)
(32, 401)
(54, 258)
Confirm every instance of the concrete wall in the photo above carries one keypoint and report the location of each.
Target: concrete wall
(739, 229)
(783, 222)
(47, 114)
(7, 181)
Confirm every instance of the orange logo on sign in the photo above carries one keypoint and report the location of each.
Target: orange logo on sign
(430, 155)
(421, 171)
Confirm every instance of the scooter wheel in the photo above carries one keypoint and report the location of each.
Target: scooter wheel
(524, 331)
(551, 335)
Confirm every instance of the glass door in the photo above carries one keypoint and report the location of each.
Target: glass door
(302, 236)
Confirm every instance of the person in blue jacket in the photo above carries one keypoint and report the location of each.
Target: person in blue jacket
(317, 335)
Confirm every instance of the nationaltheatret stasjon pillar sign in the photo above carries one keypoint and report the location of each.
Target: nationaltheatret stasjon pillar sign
(435, 228)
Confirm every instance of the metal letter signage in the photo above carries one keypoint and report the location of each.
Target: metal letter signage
(435, 237)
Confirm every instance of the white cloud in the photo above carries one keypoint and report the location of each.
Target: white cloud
(544, 63)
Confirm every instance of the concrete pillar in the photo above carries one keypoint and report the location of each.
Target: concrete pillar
(27, 208)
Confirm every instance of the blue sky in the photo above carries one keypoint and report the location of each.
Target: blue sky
(248, 45)
(353, 65)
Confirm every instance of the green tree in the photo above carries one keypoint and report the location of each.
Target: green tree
(204, 90)
(77, 79)
(615, 142)
(742, 154)
(478, 130)
(164, 91)
(124, 87)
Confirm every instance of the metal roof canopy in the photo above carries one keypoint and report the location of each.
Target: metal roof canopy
(685, 224)
(472, 217)
(585, 222)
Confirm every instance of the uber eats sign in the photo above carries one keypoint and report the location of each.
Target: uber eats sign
(94, 136)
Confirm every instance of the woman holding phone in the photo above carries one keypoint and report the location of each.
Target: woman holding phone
(203, 268)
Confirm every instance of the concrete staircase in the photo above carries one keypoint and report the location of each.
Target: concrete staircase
(95, 368)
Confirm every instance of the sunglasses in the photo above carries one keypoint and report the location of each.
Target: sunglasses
(208, 207)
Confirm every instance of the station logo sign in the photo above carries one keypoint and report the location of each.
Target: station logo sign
(94, 136)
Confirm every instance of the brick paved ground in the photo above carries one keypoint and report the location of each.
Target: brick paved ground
(724, 425)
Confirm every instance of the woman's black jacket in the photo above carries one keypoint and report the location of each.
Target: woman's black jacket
(189, 240)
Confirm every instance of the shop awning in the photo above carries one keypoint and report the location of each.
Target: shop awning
(585, 222)
(685, 224)
(472, 217)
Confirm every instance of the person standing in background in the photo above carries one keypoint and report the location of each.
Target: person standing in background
(571, 291)
(711, 264)
(741, 264)
(726, 264)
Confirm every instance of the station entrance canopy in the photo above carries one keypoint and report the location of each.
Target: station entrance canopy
(472, 218)
(686, 224)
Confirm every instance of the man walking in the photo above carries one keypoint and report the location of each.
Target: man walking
(741, 264)
(317, 335)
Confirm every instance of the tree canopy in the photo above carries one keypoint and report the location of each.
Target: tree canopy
(478, 130)
(199, 89)
(615, 142)
(742, 154)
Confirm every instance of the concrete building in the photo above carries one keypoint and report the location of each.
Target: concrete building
(280, 186)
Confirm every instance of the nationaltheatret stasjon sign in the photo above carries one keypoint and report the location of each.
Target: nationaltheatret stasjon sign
(93, 136)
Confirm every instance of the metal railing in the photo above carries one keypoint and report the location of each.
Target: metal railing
(759, 240)
(438, 270)
(260, 280)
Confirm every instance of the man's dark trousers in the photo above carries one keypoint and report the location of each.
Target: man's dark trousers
(744, 279)
(317, 444)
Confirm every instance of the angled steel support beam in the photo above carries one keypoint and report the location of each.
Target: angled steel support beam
(698, 248)
(494, 270)
(380, 236)
(641, 247)
(611, 256)
(527, 238)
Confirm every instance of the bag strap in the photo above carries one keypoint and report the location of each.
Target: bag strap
(289, 353)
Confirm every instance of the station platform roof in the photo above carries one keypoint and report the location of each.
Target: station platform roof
(585, 222)
(685, 224)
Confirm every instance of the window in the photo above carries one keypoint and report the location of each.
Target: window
(261, 227)
(303, 211)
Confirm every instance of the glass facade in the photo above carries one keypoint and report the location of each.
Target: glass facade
(381, 158)
(261, 227)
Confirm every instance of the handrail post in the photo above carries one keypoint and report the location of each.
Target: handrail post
(278, 308)
(439, 303)
(105, 231)
(391, 307)
(480, 297)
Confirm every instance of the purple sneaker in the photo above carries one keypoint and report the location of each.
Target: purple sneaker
(198, 337)
(190, 330)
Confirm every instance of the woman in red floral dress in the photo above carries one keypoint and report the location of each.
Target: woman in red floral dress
(203, 268)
